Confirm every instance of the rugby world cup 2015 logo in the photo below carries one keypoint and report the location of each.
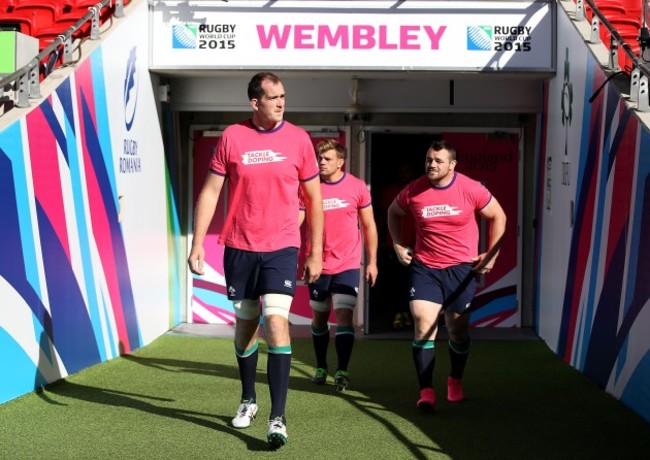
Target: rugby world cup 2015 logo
(479, 38)
(184, 36)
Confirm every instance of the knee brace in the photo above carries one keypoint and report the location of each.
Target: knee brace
(246, 308)
(322, 306)
(276, 304)
(344, 301)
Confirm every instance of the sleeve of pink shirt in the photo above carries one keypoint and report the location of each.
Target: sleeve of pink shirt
(481, 194)
(218, 160)
(365, 199)
(402, 198)
(309, 165)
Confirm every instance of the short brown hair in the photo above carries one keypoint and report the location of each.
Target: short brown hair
(255, 90)
(438, 145)
(331, 144)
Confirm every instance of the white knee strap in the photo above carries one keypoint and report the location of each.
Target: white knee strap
(246, 308)
(344, 301)
(276, 304)
(322, 306)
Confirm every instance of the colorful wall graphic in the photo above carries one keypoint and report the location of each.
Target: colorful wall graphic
(594, 214)
(85, 269)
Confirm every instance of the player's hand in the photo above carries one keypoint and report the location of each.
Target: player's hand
(404, 254)
(195, 260)
(371, 274)
(482, 265)
(312, 269)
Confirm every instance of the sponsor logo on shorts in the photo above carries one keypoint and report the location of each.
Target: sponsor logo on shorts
(231, 291)
(288, 284)
(412, 292)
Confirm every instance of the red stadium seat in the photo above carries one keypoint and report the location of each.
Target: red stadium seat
(57, 4)
(71, 13)
(609, 9)
(624, 61)
(633, 8)
(82, 6)
(28, 22)
(42, 7)
(625, 24)
(31, 16)
(49, 34)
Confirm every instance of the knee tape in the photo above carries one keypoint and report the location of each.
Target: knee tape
(276, 304)
(322, 306)
(344, 301)
(246, 308)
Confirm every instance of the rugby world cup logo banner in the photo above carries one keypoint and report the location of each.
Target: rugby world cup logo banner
(479, 38)
(184, 36)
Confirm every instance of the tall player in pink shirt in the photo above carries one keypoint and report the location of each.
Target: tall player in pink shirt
(445, 261)
(346, 203)
(265, 161)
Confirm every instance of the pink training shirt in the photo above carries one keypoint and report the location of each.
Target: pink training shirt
(264, 170)
(445, 219)
(342, 242)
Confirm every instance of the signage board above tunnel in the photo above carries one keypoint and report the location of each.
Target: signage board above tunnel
(350, 35)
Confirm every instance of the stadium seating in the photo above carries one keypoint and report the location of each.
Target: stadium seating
(69, 17)
(633, 8)
(48, 18)
(28, 16)
(81, 7)
(626, 27)
(624, 61)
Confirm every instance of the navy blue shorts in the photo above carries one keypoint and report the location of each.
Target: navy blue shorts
(250, 275)
(346, 282)
(452, 287)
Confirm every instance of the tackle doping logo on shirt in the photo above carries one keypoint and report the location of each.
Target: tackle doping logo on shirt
(184, 36)
(334, 203)
(479, 38)
(261, 156)
(440, 210)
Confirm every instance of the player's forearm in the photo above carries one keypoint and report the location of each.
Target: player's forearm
(316, 220)
(394, 221)
(203, 215)
(372, 241)
(497, 231)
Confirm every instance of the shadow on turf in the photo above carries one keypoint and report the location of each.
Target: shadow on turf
(147, 404)
(373, 401)
(521, 396)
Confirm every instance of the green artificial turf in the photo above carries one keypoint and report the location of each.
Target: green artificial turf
(174, 399)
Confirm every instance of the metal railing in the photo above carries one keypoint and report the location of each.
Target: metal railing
(640, 72)
(24, 83)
